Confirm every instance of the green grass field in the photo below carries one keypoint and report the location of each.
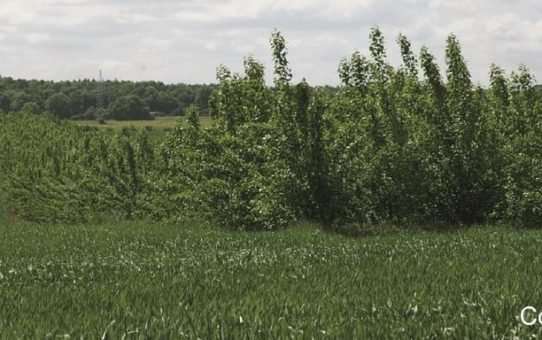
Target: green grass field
(151, 281)
(160, 123)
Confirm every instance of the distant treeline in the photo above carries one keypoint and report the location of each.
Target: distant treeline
(123, 100)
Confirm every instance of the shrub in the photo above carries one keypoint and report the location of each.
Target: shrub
(129, 108)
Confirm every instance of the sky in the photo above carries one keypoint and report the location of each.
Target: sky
(185, 40)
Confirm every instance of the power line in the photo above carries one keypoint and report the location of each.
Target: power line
(100, 93)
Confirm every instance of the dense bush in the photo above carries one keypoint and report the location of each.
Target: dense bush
(59, 105)
(129, 108)
(399, 145)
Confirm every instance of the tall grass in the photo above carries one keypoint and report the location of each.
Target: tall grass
(188, 281)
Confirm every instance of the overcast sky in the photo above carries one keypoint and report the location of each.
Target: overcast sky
(185, 40)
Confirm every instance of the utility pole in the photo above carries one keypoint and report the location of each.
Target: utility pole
(100, 105)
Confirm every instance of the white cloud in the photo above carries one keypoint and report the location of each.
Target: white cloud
(35, 38)
(175, 41)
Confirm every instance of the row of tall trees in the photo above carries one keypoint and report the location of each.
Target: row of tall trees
(78, 99)
(407, 144)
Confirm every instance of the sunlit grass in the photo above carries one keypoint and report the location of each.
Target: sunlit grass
(160, 123)
(140, 280)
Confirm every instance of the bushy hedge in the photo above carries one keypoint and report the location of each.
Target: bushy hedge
(400, 145)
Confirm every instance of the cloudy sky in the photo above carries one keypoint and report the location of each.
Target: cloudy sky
(185, 40)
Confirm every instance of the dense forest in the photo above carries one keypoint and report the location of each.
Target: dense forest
(406, 144)
(122, 100)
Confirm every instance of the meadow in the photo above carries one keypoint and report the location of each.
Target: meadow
(159, 123)
(140, 280)
(155, 129)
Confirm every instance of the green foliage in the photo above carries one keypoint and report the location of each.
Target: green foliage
(59, 105)
(355, 72)
(129, 108)
(5, 102)
(521, 130)
(31, 107)
(82, 94)
(18, 99)
(283, 74)
(378, 55)
(434, 79)
(524, 181)
(55, 171)
(192, 116)
(410, 61)
(387, 146)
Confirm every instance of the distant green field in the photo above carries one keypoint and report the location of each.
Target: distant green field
(186, 281)
(160, 123)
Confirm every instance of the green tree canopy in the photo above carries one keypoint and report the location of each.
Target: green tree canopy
(59, 105)
(129, 107)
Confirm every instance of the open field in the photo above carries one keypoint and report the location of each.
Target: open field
(160, 123)
(139, 280)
